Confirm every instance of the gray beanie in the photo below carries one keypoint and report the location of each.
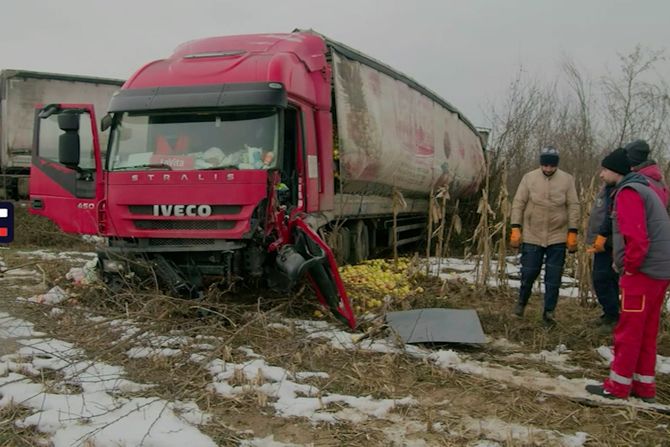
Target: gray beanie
(637, 151)
(549, 156)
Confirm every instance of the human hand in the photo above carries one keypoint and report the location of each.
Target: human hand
(572, 241)
(598, 245)
(515, 237)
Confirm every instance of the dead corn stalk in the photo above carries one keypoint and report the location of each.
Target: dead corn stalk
(429, 232)
(584, 261)
(441, 199)
(481, 238)
(398, 203)
(454, 227)
(505, 209)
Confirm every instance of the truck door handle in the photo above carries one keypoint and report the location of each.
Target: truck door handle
(37, 204)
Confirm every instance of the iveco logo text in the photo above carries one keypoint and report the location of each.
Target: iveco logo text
(183, 210)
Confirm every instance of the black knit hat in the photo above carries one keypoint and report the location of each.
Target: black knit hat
(638, 152)
(549, 156)
(617, 161)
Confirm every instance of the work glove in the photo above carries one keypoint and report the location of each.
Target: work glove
(515, 237)
(572, 241)
(598, 245)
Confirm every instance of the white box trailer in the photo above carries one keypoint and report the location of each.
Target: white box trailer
(20, 92)
(392, 133)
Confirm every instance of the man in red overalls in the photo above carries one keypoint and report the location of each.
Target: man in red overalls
(641, 251)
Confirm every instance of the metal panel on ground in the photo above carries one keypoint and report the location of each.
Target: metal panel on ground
(437, 326)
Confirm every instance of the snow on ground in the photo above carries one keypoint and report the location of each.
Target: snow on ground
(493, 428)
(449, 359)
(98, 412)
(466, 270)
(292, 397)
(98, 415)
(662, 363)
(85, 403)
(47, 255)
(558, 358)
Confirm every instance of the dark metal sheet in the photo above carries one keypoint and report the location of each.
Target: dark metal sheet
(437, 326)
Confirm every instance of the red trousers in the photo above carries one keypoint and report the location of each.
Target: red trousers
(634, 365)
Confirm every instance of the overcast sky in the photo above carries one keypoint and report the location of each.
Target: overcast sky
(467, 51)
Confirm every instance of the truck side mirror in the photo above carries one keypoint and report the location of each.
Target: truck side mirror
(68, 142)
(68, 121)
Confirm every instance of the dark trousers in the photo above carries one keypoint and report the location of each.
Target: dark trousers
(532, 258)
(606, 283)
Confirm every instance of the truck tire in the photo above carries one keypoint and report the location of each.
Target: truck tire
(342, 249)
(360, 241)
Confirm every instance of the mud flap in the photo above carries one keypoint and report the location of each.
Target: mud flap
(310, 255)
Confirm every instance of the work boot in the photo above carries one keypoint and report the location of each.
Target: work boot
(518, 310)
(606, 323)
(648, 400)
(600, 390)
(605, 319)
(548, 318)
(606, 328)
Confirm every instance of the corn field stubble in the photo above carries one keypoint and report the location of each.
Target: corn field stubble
(243, 317)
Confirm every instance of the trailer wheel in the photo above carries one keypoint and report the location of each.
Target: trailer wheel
(342, 248)
(360, 239)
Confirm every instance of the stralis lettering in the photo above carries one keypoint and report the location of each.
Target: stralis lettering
(200, 177)
(183, 210)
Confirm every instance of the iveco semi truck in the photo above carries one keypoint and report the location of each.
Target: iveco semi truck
(253, 156)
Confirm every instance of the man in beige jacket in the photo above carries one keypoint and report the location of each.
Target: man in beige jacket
(546, 210)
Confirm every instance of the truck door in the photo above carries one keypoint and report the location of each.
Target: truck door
(66, 183)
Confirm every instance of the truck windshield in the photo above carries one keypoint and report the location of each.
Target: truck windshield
(231, 139)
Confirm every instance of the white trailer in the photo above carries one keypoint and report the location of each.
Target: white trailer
(20, 92)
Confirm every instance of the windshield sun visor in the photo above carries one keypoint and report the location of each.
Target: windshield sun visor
(200, 96)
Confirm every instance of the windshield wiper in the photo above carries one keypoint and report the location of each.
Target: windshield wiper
(146, 166)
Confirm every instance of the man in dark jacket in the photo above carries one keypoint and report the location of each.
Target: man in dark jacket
(641, 249)
(605, 279)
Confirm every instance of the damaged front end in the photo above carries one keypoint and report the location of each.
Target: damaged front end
(278, 252)
(307, 254)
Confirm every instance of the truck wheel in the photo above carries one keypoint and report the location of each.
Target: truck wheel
(360, 241)
(342, 249)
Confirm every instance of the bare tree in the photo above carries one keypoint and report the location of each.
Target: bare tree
(636, 102)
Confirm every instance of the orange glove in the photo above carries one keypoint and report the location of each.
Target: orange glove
(598, 245)
(515, 237)
(572, 242)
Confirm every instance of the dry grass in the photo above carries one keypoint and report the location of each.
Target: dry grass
(37, 231)
(242, 318)
(10, 434)
(444, 396)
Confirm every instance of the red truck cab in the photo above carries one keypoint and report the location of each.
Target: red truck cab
(213, 155)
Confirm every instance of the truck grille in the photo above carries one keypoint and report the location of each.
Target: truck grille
(179, 242)
(184, 224)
